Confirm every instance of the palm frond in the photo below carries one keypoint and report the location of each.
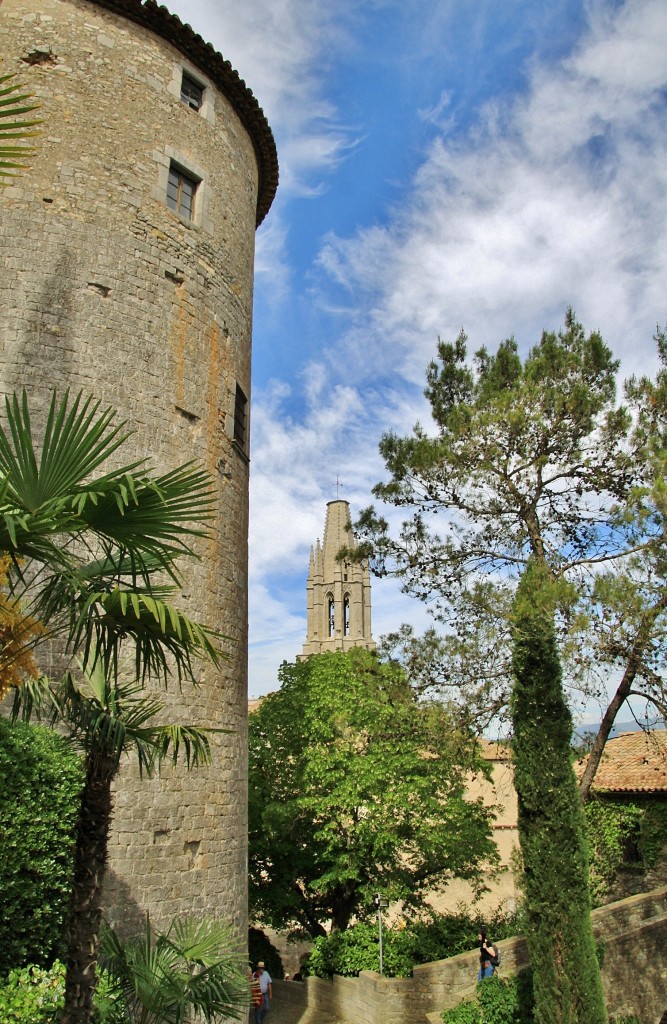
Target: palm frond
(78, 438)
(14, 128)
(164, 639)
(94, 548)
(196, 967)
(35, 698)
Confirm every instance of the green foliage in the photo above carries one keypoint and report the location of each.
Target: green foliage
(356, 787)
(194, 968)
(613, 828)
(357, 949)
(515, 448)
(101, 544)
(652, 832)
(40, 784)
(499, 1001)
(558, 931)
(609, 826)
(415, 941)
(15, 103)
(33, 995)
(260, 947)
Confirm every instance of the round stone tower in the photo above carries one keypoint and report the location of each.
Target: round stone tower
(127, 255)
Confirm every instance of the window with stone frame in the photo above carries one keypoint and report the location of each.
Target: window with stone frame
(181, 191)
(192, 93)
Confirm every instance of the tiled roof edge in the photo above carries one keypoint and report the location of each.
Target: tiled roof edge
(627, 790)
(159, 20)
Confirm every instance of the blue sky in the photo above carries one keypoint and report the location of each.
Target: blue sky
(444, 163)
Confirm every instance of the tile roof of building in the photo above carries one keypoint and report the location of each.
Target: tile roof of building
(634, 762)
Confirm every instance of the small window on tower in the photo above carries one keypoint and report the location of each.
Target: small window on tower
(192, 93)
(181, 189)
(331, 615)
(346, 615)
(240, 418)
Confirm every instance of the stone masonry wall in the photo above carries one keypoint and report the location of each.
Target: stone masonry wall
(634, 974)
(105, 289)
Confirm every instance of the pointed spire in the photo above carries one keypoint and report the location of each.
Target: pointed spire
(339, 592)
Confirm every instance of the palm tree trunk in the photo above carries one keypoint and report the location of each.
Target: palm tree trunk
(86, 904)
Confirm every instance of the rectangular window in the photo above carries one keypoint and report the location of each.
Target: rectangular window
(192, 93)
(181, 192)
(240, 418)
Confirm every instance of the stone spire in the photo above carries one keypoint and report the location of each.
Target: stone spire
(339, 593)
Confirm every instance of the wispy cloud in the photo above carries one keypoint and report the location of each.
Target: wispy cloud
(555, 198)
(553, 194)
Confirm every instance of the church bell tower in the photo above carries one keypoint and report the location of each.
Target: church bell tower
(339, 593)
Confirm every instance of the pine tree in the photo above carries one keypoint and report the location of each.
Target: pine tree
(566, 974)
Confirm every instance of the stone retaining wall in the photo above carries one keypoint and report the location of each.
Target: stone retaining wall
(634, 931)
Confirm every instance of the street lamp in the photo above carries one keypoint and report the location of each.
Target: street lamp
(380, 903)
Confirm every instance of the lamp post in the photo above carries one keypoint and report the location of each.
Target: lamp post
(380, 903)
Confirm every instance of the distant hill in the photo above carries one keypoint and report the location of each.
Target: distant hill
(617, 728)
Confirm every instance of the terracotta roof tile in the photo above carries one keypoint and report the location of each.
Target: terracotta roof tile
(634, 762)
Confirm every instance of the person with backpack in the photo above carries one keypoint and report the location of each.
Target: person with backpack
(489, 957)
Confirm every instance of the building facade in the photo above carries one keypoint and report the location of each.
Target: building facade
(338, 592)
(128, 252)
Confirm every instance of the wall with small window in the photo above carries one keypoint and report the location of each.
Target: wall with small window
(132, 246)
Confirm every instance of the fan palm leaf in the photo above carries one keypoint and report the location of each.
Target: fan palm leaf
(96, 547)
(195, 967)
(14, 128)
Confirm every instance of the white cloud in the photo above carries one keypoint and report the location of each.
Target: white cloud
(556, 199)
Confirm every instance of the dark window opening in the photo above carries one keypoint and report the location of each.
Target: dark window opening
(240, 418)
(181, 191)
(192, 93)
(331, 615)
(346, 616)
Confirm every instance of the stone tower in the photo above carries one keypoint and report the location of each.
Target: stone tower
(127, 255)
(339, 593)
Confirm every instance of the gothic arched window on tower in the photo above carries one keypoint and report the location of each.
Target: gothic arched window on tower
(331, 609)
(346, 615)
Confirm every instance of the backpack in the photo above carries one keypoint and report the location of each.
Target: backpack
(495, 960)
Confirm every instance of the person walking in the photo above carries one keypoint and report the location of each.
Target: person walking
(263, 977)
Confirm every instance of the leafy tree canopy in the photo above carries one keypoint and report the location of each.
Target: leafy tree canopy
(357, 787)
(531, 457)
(527, 458)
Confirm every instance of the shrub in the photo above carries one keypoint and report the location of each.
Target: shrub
(40, 782)
(416, 941)
(358, 949)
(499, 1001)
(32, 995)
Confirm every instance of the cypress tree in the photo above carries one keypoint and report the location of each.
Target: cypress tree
(566, 974)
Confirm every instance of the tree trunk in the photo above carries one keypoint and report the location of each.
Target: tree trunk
(342, 905)
(632, 667)
(86, 907)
